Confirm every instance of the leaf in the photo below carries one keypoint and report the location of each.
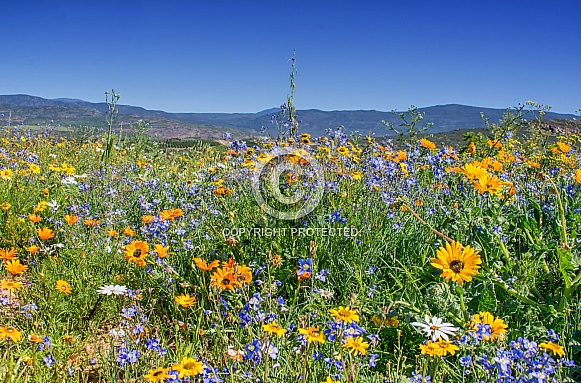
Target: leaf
(487, 301)
(537, 208)
(565, 266)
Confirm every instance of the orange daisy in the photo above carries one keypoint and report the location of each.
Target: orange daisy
(136, 252)
(203, 265)
(15, 267)
(45, 234)
(7, 254)
(71, 219)
(224, 279)
(161, 251)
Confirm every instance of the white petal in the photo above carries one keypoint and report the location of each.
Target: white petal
(442, 334)
(119, 290)
(104, 290)
(424, 327)
(448, 327)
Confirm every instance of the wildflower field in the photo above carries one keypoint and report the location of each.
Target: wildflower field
(330, 259)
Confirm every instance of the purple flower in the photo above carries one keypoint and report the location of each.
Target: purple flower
(49, 360)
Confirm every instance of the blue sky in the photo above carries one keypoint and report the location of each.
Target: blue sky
(233, 56)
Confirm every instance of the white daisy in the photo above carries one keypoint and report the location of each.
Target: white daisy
(53, 205)
(112, 290)
(117, 334)
(234, 353)
(325, 293)
(435, 328)
(69, 180)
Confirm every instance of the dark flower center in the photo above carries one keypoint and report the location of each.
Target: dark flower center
(456, 266)
(137, 253)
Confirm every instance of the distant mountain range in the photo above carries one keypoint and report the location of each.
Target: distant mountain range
(67, 112)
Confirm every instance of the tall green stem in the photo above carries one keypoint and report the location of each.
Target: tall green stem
(460, 292)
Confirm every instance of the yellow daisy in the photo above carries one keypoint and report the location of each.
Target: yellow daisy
(497, 325)
(554, 347)
(9, 332)
(313, 334)
(63, 287)
(344, 314)
(457, 262)
(188, 367)
(356, 345)
(185, 300)
(157, 375)
(274, 328)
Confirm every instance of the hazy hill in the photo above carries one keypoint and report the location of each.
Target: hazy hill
(73, 112)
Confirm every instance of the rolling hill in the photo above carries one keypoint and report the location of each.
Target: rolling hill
(32, 110)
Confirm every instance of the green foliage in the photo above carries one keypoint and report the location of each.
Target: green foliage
(111, 114)
(286, 122)
(409, 121)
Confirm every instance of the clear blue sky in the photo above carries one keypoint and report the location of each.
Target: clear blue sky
(232, 56)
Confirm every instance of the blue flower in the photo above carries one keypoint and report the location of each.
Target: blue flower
(152, 344)
(49, 360)
(173, 377)
(271, 350)
(305, 266)
(418, 378)
(322, 275)
(255, 301)
(521, 362)
(125, 356)
(28, 309)
(553, 336)
(253, 352)
(465, 360)
(133, 355)
(336, 217)
(374, 338)
(128, 312)
(45, 344)
(245, 317)
(373, 360)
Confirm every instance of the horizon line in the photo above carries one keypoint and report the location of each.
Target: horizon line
(62, 99)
